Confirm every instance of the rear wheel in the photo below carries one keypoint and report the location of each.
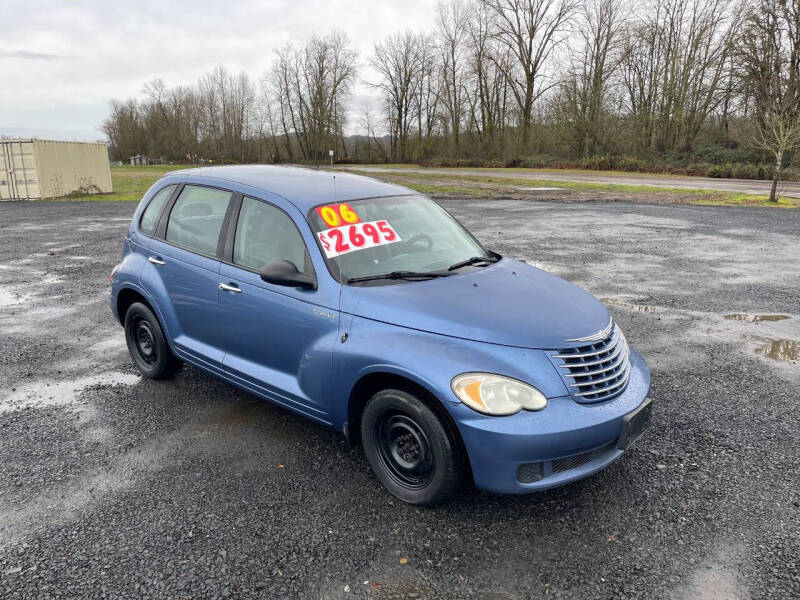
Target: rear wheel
(147, 345)
(409, 448)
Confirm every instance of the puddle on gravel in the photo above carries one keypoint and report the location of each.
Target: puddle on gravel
(786, 350)
(748, 318)
(241, 414)
(646, 308)
(44, 393)
(11, 298)
(258, 413)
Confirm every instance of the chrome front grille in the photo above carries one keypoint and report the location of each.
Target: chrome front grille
(596, 370)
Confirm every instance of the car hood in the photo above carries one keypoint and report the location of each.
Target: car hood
(509, 303)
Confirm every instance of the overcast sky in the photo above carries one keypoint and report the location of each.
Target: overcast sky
(62, 61)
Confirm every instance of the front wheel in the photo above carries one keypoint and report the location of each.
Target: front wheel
(147, 345)
(409, 448)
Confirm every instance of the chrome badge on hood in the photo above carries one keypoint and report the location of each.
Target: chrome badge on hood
(596, 337)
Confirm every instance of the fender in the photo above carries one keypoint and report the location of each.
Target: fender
(135, 286)
(430, 361)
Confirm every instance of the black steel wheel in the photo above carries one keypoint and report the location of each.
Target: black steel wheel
(147, 345)
(409, 448)
(404, 449)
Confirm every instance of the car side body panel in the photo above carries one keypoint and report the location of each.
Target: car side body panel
(205, 333)
(186, 286)
(281, 343)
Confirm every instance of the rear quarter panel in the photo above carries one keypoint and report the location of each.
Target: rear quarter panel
(134, 257)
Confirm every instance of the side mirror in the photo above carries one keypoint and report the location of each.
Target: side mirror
(284, 272)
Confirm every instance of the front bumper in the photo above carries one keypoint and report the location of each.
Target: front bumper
(570, 440)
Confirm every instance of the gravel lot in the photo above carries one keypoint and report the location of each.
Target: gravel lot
(111, 486)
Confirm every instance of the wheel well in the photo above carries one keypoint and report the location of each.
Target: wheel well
(370, 384)
(125, 298)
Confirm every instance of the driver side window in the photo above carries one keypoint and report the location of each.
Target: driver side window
(265, 233)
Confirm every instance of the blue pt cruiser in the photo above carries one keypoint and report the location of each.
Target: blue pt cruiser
(367, 307)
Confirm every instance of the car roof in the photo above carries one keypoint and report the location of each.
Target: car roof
(303, 187)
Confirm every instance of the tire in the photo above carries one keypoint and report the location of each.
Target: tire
(147, 345)
(409, 448)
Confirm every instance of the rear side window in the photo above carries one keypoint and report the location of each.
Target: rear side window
(196, 218)
(265, 233)
(150, 214)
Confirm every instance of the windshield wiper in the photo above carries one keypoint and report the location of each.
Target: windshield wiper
(398, 275)
(474, 261)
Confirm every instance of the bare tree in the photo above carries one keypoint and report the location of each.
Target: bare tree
(267, 124)
(427, 93)
(453, 33)
(326, 74)
(505, 80)
(530, 30)
(368, 125)
(769, 60)
(125, 129)
(309, 87)
(586, 87)
(279, 80)
(673, 67)
(227, 102)
(489, 62)
(400, 61)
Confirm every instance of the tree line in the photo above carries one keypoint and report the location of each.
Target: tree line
(707, 86)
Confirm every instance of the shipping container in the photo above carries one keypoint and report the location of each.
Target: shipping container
(32, 169)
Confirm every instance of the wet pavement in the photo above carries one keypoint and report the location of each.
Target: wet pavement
(114, 486)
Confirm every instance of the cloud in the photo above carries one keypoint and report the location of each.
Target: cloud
(26, 55)
(79, 55)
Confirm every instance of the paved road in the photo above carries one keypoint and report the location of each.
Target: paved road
(742, 186)
(116, 487)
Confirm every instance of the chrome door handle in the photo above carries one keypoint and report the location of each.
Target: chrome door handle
(155, 261)
(230, 288)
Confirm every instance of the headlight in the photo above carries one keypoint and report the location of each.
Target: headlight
(496, 395)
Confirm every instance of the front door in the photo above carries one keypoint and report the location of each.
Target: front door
(279, 340)
(183, 271)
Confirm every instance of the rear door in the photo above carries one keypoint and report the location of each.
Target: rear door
(183, 272)
(279, 339)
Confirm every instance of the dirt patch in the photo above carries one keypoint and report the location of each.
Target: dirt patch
(748, 318)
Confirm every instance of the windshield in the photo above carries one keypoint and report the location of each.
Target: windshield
(380, 236)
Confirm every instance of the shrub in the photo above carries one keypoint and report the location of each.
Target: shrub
(742, 163)
(538, 161)
(631, 163)
(443, 161)
(612, 162)
(739, 170)
(721, 155)
(720, 171)
(601, 162)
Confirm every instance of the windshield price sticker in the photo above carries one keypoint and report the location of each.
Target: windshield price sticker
(335, 215)
(349, 238)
